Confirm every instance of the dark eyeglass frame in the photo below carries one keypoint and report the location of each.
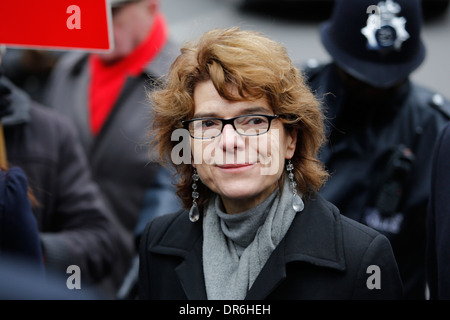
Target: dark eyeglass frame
(230, 121)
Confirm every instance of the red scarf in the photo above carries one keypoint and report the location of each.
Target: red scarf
(107, 81)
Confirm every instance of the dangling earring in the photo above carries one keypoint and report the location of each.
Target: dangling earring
(297, 202)
(194, 213)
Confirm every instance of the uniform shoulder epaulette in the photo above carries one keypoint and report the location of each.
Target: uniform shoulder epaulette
(438, 102)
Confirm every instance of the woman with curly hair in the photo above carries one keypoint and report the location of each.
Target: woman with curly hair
(254, 226)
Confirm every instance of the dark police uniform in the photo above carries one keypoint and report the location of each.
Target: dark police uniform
(379, 157)
(381, 126)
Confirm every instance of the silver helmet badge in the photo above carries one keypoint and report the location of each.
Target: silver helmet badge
(384, 29)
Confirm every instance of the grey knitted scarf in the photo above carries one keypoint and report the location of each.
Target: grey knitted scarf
(233, 254)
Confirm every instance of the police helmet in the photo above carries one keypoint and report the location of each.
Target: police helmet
(375, 41)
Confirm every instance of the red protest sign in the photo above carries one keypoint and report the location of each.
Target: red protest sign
(56, 24)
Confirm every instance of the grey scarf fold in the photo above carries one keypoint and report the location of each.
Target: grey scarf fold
(232, 259)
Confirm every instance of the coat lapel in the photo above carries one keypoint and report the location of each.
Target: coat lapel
(271, 275)
(80, 109)
(186, 244)
(77, 108)
(190, 273)
(315, 237)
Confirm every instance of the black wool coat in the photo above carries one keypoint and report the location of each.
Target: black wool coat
(324, 255)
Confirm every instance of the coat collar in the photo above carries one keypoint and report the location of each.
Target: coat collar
(314, 237)
(184, 239)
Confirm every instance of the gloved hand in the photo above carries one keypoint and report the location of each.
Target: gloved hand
(5, 100)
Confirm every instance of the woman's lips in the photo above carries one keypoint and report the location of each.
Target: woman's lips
(235, 167)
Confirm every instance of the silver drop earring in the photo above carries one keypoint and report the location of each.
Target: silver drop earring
(297, 202)
(194, 213)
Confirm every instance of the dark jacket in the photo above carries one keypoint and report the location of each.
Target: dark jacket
(438, 221)
(74, 223)
(19, 235)
(324, 255)
(379, 157)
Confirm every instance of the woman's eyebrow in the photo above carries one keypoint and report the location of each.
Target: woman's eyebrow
(206, 115)
(249, 110)
(256, 109)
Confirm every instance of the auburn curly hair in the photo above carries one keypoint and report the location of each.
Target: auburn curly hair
(258, 67)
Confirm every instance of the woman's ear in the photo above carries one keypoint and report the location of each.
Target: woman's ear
(291, 143)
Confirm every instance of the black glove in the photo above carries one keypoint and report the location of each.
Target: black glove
(5, 100)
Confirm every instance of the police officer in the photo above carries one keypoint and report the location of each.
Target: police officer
(381, 125)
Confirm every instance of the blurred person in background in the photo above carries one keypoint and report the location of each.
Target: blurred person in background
(75, 226)
(381, 125)
(23, 275)
(19, 233)
(106, 96)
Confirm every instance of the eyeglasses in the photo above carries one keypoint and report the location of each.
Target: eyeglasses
(245, 125)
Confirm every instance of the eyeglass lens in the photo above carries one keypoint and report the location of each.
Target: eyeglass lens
(245, 125)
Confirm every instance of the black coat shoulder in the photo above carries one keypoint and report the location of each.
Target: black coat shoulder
(170, 231)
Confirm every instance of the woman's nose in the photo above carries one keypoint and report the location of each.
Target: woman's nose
(229, 137)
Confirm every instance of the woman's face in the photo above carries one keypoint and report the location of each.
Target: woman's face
(243, 170)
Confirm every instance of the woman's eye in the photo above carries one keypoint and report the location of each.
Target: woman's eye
(256, 121)
(208, 123)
